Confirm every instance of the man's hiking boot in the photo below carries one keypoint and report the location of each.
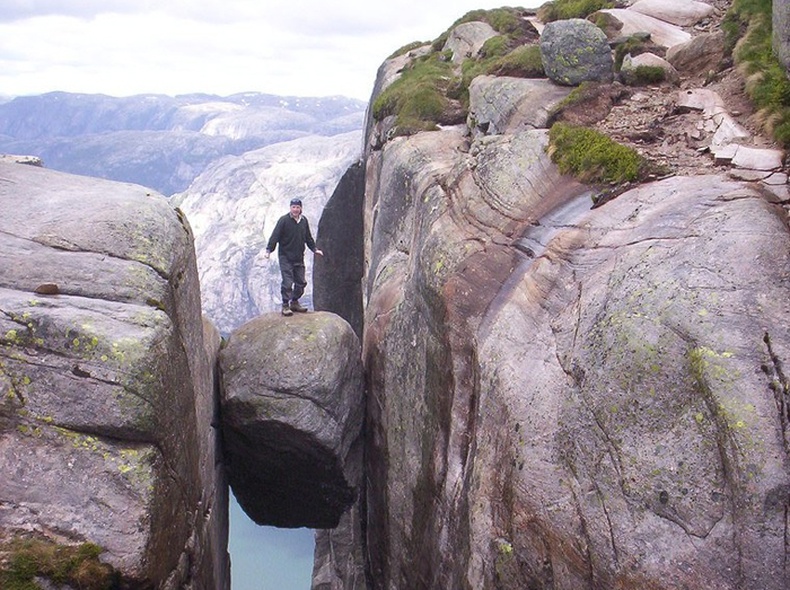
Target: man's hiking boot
(296, 306)
(287, 310)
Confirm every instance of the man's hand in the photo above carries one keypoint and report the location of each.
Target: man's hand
(319, 252)
(268, 254)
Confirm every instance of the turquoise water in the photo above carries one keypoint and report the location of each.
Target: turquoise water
(268, 558)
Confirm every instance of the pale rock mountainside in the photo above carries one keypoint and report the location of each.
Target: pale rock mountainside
(159, 141)
(233, 207)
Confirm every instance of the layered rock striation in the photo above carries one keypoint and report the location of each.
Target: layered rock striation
(562, 396)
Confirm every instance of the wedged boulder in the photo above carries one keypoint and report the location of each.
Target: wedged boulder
(683, 13)
(575, 51)
(500, 104)
(106, 393)
(466, 39)
(292, 408)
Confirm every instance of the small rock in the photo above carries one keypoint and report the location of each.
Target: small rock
(758, 159)
(47, 289)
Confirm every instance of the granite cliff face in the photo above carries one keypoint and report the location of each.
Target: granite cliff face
(107, 390)
(566, 396)
(558, 395)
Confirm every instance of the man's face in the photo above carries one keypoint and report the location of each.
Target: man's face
(296, 210)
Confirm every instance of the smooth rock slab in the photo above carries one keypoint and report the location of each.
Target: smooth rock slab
(683, 13)
(501, 104)
(661, 33)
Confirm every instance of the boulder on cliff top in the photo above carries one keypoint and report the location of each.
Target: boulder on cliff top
(291, 411)
(105, 390)
(575, 51)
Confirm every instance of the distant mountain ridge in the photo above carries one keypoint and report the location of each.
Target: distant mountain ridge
(160, 141)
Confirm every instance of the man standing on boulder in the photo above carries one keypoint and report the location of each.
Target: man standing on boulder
(292, 233)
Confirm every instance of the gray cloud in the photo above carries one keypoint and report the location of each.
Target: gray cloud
(14, 10)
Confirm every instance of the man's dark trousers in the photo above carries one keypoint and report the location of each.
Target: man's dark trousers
(294, 282)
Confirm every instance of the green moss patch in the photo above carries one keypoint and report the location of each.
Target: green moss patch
(77, 566)
(565, 9)
(645, 75)
(592, 157)
(418, 98)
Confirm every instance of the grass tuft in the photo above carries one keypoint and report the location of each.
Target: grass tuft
(592, 157)
(77, 566)
(748, 31)
(565, 9)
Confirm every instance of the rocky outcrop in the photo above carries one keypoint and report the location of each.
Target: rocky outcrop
(466, 39)
(700, 55)
(574, 51)
(683, 13)
(106, 387)
(629, 71)
(291, 415)
(624, 22)
(563, 397)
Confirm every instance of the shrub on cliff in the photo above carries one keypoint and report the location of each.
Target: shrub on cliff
(418, 98)
(592, 157)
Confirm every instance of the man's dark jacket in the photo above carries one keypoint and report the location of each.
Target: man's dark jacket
(292, 237)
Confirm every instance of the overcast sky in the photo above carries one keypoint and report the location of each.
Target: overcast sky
(285, 47)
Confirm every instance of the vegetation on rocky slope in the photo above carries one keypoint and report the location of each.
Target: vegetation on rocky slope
(748, 29)
(564, 9)
(592, 157)
(432, 92)
(77, 566)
